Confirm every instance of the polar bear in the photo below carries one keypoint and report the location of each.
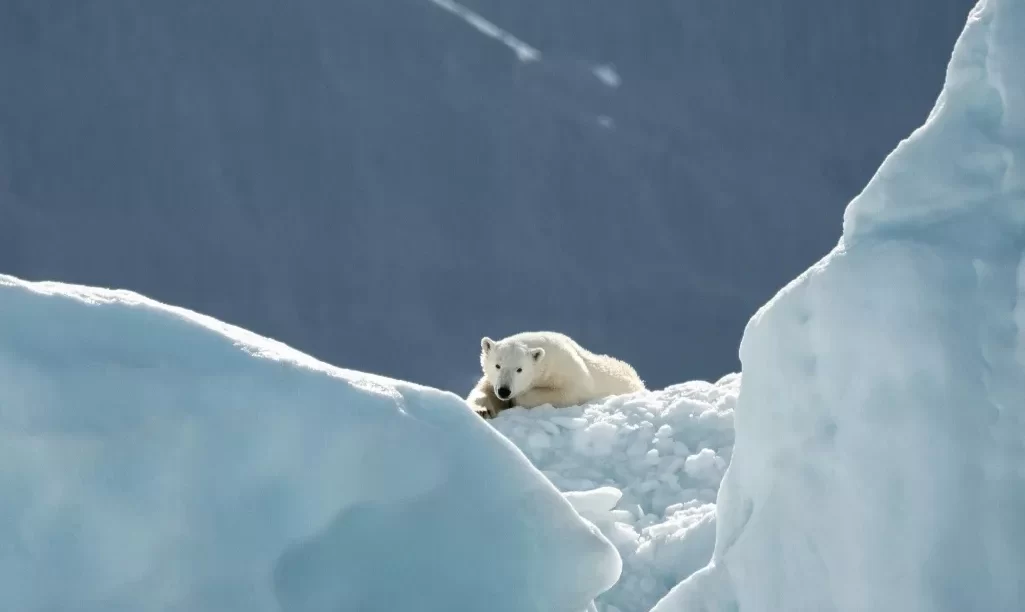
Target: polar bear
(531, 369)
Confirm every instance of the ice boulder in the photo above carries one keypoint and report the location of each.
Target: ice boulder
(156, 460)
(880, 428)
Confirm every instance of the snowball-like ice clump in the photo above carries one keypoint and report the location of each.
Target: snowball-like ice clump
(880, 429)
(645, 469)
(155, 460)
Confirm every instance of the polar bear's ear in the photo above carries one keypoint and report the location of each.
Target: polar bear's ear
(486, 344)
(537, 354)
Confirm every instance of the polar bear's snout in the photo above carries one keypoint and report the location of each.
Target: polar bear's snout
(503, 392)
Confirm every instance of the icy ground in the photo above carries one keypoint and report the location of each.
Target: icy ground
(644, 468)
(157, 460)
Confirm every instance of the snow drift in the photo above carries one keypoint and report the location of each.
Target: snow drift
(644, 468)
(152, 459)
(880, 429)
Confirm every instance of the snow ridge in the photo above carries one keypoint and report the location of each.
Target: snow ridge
(154, 459)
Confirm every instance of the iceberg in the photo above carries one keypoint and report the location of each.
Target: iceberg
(879, 459)
(155, 459)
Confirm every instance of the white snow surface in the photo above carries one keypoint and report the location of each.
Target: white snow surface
(644, 468)
(153, 459)
(880, 428)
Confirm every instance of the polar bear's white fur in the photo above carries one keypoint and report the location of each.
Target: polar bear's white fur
(531, 369)
(484, 401)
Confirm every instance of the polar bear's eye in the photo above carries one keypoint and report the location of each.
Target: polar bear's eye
(519, 369)
(498, 367)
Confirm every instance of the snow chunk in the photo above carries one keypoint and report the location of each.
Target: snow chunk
(622, 464)
(884, 389)
(156, 459)
(705, 466)
(595, 501)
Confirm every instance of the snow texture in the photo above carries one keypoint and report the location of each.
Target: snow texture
(645, 469)
(880, 430)
(156, 460)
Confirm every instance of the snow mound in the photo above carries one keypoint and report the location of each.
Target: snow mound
(880, 429)
(152, 459)
(645, 469)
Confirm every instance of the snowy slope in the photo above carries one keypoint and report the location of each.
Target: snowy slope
(645, 469)
(152, 459)
(880, 431)
(334, 174)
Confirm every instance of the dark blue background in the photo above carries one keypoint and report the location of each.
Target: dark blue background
(377, 183)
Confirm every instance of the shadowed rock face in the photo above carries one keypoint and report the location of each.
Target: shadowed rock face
(382, 183)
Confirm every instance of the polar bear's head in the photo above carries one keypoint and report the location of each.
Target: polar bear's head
(511, 367)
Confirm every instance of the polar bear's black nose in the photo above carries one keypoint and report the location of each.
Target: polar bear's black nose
(503, 392)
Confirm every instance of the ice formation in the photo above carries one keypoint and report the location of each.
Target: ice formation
(152, 459)
(158, 460)
(880, 428)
